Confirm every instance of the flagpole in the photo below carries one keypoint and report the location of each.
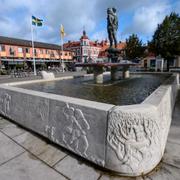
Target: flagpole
(34, 62)
(62, 49)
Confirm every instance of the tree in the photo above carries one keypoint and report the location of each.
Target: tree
(166, 39)
(134, 48)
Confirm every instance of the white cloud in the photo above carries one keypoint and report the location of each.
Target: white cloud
(99, 35)
(74, 14)
(146, 18)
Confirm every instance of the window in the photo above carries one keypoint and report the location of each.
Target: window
(2, 47)
(52, 54)
(11, 51)
(41, 51)
(48, 51)
(27, 50)
(85, 51)
(20, 50)
(35, 52)
(78, 51)
(152, 62)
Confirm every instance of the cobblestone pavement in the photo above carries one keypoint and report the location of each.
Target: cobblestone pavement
(27, 156)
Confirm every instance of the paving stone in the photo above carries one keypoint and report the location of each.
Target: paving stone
(76, 170)
(174, 134)
(165, 172)
(27, 167)
(52, 155)
(3, 123)
(8, 149)
(172, 154)
(111, 177)
(40, 148)
(12, 130)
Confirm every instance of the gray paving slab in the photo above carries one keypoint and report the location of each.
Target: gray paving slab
(111, 177)
(27, 167)
(12, 130)
(76, 170)
(164, 172)
(40, 148)
(172, 154)
(176, 112)
(3, 123)
(8, 149)
(52, 155)
(174, 134)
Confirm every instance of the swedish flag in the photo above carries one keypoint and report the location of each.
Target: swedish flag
(36, 21)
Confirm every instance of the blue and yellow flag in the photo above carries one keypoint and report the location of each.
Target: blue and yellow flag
(36, 21)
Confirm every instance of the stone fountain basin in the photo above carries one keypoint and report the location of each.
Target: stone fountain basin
(129, 140)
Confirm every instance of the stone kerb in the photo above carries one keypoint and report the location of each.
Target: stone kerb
(133, 139)
(76, 124)
(137, 134)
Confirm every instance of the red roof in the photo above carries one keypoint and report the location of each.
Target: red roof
(105, 46)
(71, 44)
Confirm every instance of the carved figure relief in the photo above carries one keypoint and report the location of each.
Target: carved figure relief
(75, 133)
(50, 131)
(5, 100)
(43, 109)
(132, 137)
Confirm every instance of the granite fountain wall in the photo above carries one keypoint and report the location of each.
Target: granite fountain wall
(129, 140)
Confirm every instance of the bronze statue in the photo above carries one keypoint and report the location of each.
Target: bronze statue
(112, 26)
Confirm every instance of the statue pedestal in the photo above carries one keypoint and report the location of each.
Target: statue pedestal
(98, 75)
(115, 73)
(126, 72)
(113, 54)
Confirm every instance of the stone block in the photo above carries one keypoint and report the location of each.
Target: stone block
(79, 128)
(47, 75)
(134, 145)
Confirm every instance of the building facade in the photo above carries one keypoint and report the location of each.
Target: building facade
(90, 51)
(84, 49)
(17, 51)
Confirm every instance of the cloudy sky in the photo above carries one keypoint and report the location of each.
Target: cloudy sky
(135, 16)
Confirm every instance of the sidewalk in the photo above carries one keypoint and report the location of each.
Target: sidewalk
(27, 156)
(7, 78)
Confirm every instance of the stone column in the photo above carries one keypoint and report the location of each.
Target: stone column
(126, 72)
(115, 73)
(98, 75)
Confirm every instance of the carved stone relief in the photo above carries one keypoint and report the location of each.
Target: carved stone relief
(50, 132)
(43, 110)
(5, 100)
(75, 133)
(133, 137)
